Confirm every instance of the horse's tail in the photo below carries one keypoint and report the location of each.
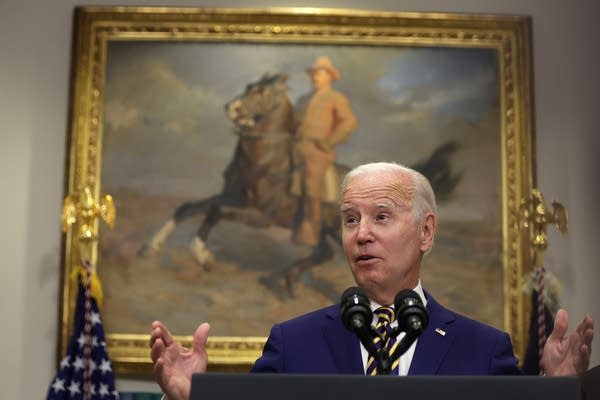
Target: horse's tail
(438, 169)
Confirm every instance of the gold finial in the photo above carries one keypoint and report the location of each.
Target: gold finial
(535, 214)
(80, 207)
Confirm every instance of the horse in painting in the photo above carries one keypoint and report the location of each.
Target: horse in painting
(256, 189)
(257, 182)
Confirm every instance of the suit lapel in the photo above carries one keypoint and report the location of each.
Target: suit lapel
(343, 344)
(434, 342)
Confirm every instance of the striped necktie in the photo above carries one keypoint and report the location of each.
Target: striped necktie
(385, 340)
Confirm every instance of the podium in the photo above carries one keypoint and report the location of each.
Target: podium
(209, 386)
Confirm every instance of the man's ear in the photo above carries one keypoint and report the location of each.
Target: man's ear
(428, 226)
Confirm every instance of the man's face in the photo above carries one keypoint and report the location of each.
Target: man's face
(321, 78)
(382, 240)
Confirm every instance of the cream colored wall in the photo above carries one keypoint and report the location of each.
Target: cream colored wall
(35, 39)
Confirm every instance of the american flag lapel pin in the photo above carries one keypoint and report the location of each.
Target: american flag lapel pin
(440, 331)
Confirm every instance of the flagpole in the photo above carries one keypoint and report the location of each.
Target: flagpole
(87, 332)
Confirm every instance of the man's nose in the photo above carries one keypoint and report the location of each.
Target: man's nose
(365, 231)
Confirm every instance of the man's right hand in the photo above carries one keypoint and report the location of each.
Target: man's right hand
(175, 364)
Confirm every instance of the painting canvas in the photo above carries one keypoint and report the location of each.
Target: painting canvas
(192, 244)
(168, 141)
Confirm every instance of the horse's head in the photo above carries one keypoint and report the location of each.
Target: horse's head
(259, 101)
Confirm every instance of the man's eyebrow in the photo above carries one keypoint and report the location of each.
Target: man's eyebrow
(345, 208)
(386, 204)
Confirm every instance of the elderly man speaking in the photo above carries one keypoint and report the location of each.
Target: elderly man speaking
(388, 216)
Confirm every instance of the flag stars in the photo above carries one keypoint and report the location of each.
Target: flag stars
(105, 366)
(103, 390)
(82, 340)
(95, 318)
(65, 363)
(78, 364)
(74, 388)
(58, 385)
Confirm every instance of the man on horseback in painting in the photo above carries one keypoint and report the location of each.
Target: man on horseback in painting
(326, 120)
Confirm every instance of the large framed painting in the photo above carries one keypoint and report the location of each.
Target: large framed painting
(189, 118)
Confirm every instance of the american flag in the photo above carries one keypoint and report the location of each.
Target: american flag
(85, 372)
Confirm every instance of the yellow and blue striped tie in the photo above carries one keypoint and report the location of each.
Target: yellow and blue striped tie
(385, 340)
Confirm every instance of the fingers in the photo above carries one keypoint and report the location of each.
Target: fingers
(585, 331)
(587, 328)
(585, 353)
(582, 359)
(159, 330)
(157, 350)
(580, 343)
(160, 339)
(200, 337)
(561, 324)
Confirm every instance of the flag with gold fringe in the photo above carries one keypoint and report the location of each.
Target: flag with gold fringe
(544, 289)
(85, 372)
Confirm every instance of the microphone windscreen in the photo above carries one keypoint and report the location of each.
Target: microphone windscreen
(353, 291)
(407, 297)
(355, 308)
(410, 309)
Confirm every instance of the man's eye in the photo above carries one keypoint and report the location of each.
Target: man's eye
(381, 217)
(351, 220)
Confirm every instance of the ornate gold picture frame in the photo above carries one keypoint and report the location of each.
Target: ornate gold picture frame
(143, 127)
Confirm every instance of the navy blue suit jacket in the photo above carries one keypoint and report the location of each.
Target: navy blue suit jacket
(318, 343)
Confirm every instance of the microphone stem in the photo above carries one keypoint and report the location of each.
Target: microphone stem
(404, 344)
(383, 362)
(381, 356)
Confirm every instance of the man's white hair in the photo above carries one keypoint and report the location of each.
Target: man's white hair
(423, 197)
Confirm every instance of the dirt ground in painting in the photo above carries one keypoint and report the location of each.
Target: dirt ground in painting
(242, 295)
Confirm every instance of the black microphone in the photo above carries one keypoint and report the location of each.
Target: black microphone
(410, 312)
(357, 317)
(412, 318)
(356, 310)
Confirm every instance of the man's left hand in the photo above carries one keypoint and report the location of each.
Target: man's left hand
(324, 145)
(568, 355)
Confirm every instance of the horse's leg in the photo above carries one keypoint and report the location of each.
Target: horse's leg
(182, 212)
(161, 236)
(201, 253)
(320, 254)
(153, 245)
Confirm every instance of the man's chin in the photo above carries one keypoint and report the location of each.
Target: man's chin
(369, 284)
